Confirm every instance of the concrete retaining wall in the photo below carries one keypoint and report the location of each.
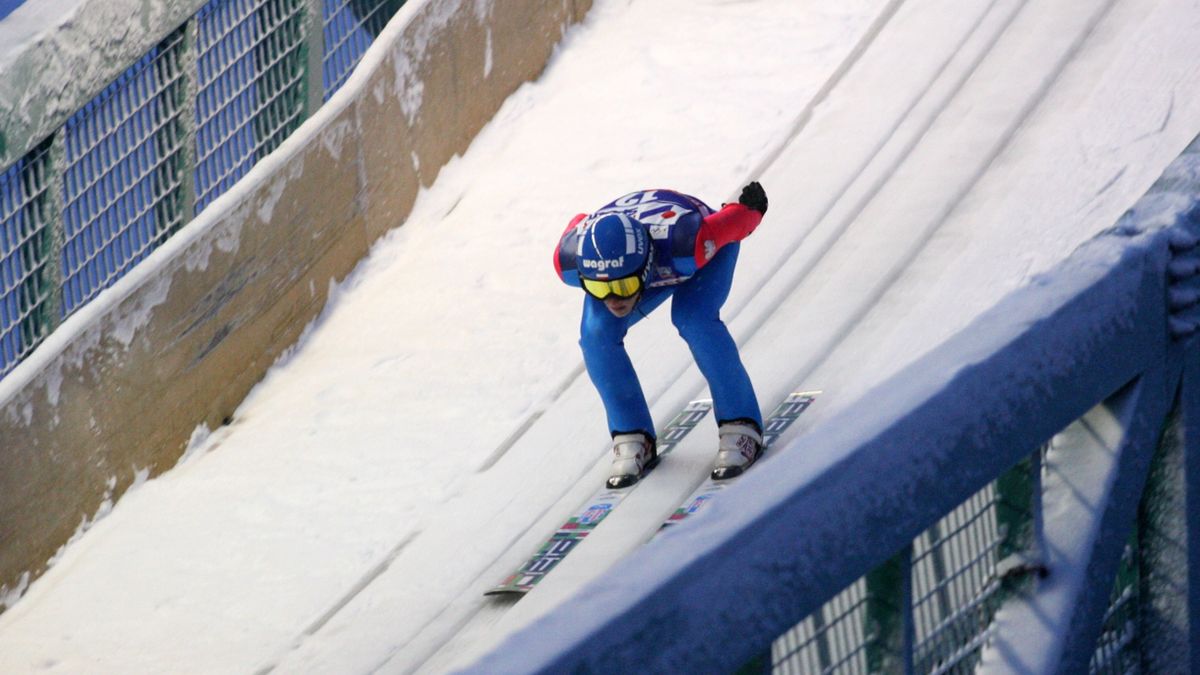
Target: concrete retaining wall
(123, 383)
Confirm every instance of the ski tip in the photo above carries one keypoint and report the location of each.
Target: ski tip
(618, 482)
(727, 472)
(506, 592)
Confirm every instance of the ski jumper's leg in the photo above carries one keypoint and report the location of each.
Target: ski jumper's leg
(602, 337)
(696, 312)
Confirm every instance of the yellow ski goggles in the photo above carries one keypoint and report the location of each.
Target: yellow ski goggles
(625, 287)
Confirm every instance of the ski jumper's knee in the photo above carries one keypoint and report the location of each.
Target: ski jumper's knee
(596, 342)
(698, 326)
(696, 313)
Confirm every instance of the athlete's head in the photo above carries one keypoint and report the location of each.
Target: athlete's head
(614, 261)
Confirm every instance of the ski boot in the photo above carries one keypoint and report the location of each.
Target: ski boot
(633, 454)
(741, 444)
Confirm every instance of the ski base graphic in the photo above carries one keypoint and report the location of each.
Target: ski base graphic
(773, 427)
(598, 506)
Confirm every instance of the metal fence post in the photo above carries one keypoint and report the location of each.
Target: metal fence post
(888, 629)
(1014, 497)
(1018, 517)
(188, 119)
(1191, 447)
(171, 73)
(52, 311)
(314, 47)
(1162, 618)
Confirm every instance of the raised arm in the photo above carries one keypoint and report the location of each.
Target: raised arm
(734, 222)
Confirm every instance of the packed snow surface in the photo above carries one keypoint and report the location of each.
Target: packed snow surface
(923, 158)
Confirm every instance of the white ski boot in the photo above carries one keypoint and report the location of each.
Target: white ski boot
(741, 444)
(632, 455)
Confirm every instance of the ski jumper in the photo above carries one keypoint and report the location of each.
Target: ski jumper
(693, 254)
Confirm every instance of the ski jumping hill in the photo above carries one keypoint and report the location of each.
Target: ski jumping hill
(923, 158)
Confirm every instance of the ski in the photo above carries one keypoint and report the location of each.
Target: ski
(595, 509)
(773, 427)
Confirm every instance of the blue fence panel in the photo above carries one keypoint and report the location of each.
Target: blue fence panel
(350, 28)
(250, 93)
(225, 101)
(121, 174)
(24, 254)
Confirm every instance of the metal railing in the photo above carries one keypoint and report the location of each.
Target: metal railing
(938, 540)
(172, 133)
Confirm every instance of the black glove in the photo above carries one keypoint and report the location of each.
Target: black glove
(754, 197)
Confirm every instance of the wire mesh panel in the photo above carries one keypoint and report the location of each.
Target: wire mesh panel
(956, 590)
(954, 580)
(121, 175)
(251, 87)
(350, 28)
(955, 586)
(25, 249)
(832, 640)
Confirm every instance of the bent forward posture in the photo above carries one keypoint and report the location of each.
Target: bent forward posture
(631, 255)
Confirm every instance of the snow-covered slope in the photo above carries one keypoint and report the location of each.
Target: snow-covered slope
(923, 157)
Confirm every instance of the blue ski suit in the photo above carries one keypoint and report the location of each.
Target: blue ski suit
(694, 253)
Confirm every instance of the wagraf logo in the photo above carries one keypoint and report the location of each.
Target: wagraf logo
(604, 265)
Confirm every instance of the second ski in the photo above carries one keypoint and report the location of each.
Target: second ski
(773, 427)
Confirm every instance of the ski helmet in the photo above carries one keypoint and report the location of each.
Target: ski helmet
(614, 246)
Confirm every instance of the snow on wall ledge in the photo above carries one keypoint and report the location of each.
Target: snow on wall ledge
(120, 386)
(848, 495)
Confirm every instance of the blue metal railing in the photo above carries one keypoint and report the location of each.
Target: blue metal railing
(1103, 349)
